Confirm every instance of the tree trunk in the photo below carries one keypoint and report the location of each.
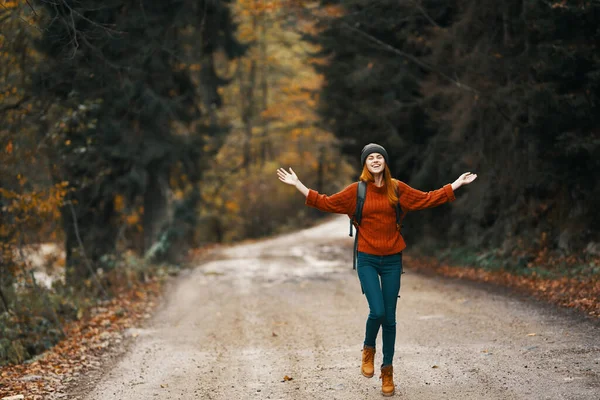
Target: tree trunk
(506, 24)
(208, 88)
(76, 235)
(247, 98)
(265, 145)
(90, 233)
(4, 302)
(155, 207)
(321, 170)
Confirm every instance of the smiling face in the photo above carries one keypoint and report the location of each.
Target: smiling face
(375, 163)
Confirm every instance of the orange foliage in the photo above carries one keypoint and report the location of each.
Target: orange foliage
(334, 11)
(583, 295)
(35, 204)
(258, 7)
(87, 340)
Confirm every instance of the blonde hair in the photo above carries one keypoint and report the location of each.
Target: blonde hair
(388, 181)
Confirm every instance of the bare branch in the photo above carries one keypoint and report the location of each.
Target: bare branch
(82, 249)
(94, 23)
(419, 7)
(32, 9)
(15, 105)
(411, 58)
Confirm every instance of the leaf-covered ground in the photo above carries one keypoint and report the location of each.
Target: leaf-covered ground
(85, 348)
(582, 294)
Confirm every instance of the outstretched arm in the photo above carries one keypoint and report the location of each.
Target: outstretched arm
(291, 179)
(413, 199)
(342, 202)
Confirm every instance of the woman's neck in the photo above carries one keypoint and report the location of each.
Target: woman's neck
(378, 180)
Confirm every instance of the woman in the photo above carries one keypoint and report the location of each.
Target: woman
(380, 243)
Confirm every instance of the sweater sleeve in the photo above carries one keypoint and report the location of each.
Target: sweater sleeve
(343, 202)
(413, 199)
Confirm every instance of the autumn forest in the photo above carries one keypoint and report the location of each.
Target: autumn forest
(136, 134)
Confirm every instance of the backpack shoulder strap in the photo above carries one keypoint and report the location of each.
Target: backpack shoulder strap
(361, 194)
(398, 210)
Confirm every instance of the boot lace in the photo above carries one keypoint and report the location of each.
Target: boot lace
(387, 378)
(369, 355)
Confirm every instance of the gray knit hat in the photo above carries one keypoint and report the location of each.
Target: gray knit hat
(373, 148)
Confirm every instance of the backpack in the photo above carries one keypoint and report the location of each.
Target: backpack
(361, 194)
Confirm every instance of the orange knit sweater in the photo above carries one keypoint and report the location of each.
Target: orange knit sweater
(378, 234)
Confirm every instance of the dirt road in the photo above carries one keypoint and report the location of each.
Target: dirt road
(234, 327)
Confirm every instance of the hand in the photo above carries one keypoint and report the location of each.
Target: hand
(287, 177)
(464, 179)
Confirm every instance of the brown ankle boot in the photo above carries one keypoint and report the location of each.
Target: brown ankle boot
(387, 380)
(368, 358)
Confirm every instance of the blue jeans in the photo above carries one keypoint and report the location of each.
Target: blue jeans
(382, 298)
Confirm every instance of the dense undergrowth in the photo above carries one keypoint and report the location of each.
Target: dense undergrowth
(37, 315)
(582, 267)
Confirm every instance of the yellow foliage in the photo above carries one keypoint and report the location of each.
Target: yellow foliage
(178, 194)
(289, 159)
(119, 203)
(22, 179)
(232, 206)
(132, 219)
(246, 33)
(30, 208)
(334, 11)
(284, 126)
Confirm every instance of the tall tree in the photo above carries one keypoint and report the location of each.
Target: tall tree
(371, 89)
(121, 73)
(505, 89)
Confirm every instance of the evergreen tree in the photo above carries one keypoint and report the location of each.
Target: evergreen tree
(529, 126)
(373, 75)
(120, 71)
(505, 89)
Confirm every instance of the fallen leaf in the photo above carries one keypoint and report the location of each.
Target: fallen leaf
(85, 337)
(286, 378)
(531, 334)
(435, 366)
(274, 334)
(165, 385)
